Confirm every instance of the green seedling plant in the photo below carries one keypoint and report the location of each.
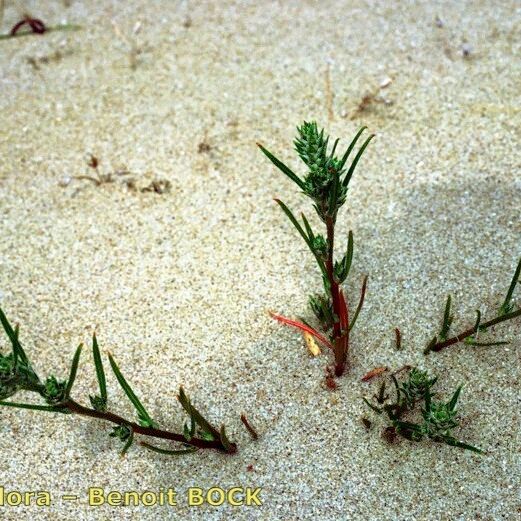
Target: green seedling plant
(326, 184)
(17, 373)
(507, 311)
(438, 418)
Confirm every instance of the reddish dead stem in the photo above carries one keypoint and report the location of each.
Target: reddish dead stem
(373, 373)
(398, 336)
(302, 327)
(249, 428)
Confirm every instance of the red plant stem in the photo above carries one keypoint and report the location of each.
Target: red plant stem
(330, 270)
(16, 27)
(36, 25)
(344, 313)
(469, 332)
(340, 339)
(76, 408)
(342, 342)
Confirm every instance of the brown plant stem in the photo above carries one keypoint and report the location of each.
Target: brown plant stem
(249, 428)
(200, 443)
(438, 346)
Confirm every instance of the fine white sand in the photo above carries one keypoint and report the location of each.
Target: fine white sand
(177, 284)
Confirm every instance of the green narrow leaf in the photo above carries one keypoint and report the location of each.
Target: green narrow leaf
(360, 304)
(371, 406)
(486, 344)
(428, 401)
(295, 223)
(189, 432)
(74, 370)
(167, 451)
(350, 148)
(18, 352)
(198, 417)
(456, 443)
(471, 340)
(100, 372)
(408, 426)
(142, 413)
(478, 320)
(430, 345)
(332, 154)
(454, 399)
(446, 316)
(447, 319)
(351, 170)
(348, 258)
(333, 196)
(381, 397)
(299, 228)
(128, 443)
(309, 231)
(506, 307)
(282, 167)
(397, 388)
(224, 439)
(48, 408)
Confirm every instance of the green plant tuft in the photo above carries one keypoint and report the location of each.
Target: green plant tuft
(438, 417)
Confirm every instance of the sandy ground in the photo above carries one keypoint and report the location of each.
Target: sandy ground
(177, 284)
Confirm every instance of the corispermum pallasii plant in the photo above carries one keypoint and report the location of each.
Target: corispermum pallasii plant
(326, 183)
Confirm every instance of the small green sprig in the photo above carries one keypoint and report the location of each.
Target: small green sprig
(439, 418)
(326, 184)
(507, 311)
(17, 374)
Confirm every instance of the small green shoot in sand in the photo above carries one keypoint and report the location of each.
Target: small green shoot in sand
(438, 418)
(507, 311)
(326, 184)
(17, 374)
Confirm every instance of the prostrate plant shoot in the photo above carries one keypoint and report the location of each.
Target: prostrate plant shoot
(326, 184)
(507, 311)
(17, 374)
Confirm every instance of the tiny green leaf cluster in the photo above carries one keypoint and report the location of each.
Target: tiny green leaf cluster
(438, 417)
